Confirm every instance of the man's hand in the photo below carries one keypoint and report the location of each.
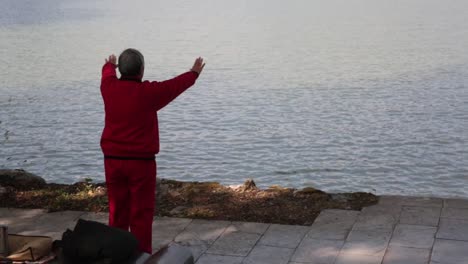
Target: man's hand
(112, 59)
(198, 65)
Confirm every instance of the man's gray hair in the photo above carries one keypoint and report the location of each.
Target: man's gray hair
(131, 62)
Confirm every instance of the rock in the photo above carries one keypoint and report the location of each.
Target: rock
(99, 191)
(276, 187)
(235, 188)
(174, 194)
(308, 191)
(279, 189)
(339, 197)
(197, 187)
(21, 179)
(249, 185)
(162, 190)
(178, 210)
(200, 212)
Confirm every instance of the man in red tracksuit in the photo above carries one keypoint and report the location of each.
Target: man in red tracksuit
(130, 139)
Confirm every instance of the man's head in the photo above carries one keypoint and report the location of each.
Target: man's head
(131, 63)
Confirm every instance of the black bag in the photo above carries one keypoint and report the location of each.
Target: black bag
(92, 242)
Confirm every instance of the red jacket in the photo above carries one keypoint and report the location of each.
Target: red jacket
(131, 123)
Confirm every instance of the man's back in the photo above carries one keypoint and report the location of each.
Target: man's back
(131, 123)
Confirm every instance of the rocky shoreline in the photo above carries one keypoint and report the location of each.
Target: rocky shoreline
(205, 200)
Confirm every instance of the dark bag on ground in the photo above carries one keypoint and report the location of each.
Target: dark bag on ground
(92, 242)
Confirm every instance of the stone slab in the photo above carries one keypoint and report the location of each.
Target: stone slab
(449, 252)
(390, 200)
(404, 255)
(196, 249)
(414, 215)
(456, 203)
(234, 244)
(202, 230)
(333, 231)
(410, 243)
(12, 215)
(370, 235)
(200, 234)
(413, 236)
(166, 229)
(337, 215)
(333, 224)
(456, 213)
(387, 209)
(287, 236)
(367, 242)
(19, 220)
(357, 259)
(367, 248)
(248, 227)
(375, 221)
(422, 201)
(410, 201)
(67, 218)
(268, 255)
(50, 224)
(218, 259)
(158, 243)
(100, 217)
(169, 227)
(317, 251)
(456, 229)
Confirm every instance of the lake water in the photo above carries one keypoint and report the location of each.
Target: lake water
(355, 95)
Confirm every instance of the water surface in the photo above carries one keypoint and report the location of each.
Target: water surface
(358, 95)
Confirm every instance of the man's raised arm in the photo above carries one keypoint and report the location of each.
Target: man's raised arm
(108, 70)
(166, 91)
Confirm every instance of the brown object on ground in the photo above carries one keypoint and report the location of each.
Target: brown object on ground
(207, 200)
(20, 179)
(29, 248)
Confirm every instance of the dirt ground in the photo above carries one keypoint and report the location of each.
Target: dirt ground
(206, 200)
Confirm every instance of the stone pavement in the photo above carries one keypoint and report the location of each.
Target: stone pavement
(398, 230)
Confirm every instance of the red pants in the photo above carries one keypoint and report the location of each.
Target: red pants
(131, 188)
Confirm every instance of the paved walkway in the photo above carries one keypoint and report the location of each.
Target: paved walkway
(399, 230)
